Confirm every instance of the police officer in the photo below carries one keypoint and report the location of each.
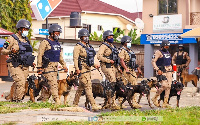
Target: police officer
(108, 57)
(161, 62)
(181, 58)
(83, 60)
(18, 47)
(49, 54)
(128, 64)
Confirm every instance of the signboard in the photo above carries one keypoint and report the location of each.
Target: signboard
(68, 55)
(42, 8)
(44, 32)
(172, 37)
(167, 23)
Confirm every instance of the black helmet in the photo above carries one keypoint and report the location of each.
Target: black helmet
(23, 24)
(125, 39)
(107, 33)
(55, 28)
(165, 43)
(83, 32)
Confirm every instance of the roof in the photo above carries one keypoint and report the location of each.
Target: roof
(5, 32)
(67, 6)
(192, 33)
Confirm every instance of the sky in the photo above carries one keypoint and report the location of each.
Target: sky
(128, 5)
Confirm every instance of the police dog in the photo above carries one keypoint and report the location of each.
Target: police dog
(185, 77)
(64, 87)
(104, 90)
(176, 89)
(129, 92)
(148, 85)
(33, 84)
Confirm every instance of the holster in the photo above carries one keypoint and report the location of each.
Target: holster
(108, 65)
(45, 62)
(162, 68)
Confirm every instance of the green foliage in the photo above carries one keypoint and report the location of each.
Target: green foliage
(12, 11)
(133, 35)
(95, 37)
(117, 34)
(33, 44)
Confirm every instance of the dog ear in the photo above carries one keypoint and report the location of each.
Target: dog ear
(148, 80)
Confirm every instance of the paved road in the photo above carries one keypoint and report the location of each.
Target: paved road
(188, 98)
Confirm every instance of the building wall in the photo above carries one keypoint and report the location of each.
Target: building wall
(151, 7)
(106, 21)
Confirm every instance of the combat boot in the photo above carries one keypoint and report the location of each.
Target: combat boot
(155, 100)
(96, 107)
(165, 104)
(136, 105)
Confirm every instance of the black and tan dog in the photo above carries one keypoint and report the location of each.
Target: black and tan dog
(129, 92)
(33, 84)
(148, 84)
(176, 89)
(185, 77)
(103, 90)
(64, 87)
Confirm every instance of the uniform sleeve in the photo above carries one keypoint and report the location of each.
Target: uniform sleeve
(188, 59)
(122, 54)
(62, 62)
(8, 45)
(174, 58)
(155, 57)
(76, 54)
(100, 54)
(41, 51)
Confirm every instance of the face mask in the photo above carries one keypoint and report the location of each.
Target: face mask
(24, 33)
(56, 37)
(110, 40)
(85, 39)
(180, 49)
(128, 45)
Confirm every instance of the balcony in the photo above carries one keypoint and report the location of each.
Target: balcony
(195, 18)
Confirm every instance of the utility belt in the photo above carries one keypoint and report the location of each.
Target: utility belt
(163, 69)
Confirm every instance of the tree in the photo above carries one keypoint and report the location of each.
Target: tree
(95, 37)
(12, 11)
(117, 32)
(133, 36)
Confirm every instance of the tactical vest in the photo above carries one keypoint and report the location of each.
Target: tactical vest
(132, 61)
(165, 60)
(180, 60)
(53, 54)
(114, 55)
(90, 54)
(25, 57)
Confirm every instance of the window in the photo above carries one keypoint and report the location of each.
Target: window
(88, 27)
(118, 30)
(44, 25)
(99, 28)
(167, 6)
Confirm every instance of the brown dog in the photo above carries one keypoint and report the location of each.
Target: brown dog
(64, 87)
(33, 86)
(185, 77)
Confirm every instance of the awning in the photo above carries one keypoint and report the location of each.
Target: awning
(4, 32)
(2, 42)
(194, 33)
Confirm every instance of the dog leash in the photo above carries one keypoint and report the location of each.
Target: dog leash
(86, 72)
(52, 71)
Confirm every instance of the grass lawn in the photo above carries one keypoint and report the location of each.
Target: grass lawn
(10, 107)
(175, 116)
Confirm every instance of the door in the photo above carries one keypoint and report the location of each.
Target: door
(3, 65)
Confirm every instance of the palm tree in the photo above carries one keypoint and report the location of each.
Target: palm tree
(33, 44)
(133, 35)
